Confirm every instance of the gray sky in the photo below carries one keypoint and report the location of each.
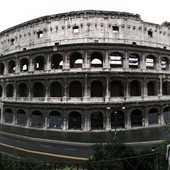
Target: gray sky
(13, 12)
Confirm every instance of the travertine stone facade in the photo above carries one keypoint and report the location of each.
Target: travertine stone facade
(85, 70)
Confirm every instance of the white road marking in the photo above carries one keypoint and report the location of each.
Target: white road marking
(71, 149)
(46, 146)
(20, 141)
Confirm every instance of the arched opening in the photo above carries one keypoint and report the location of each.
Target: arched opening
(164, 63)
(150, 62)
(96, 120)
(136, 118)
(57, 61)
(166, 113)
(166, 88)
(74, 121)
(8, 116)
(55, 120)
(22, 90)
(1, 90)
(9, 90)
(96, 89)
(24, 65)
(11, 67)
(55, 89)
(134, 61)
(135, 88)
(151, 88)
(2, 68)
(96, 60)
(39, 63)
(75, 89)
(153, 116)
(37, 119)
(76, 60)
(116, 89)
(38, 90)
(115, 60)
(21, 118)
(117, 119)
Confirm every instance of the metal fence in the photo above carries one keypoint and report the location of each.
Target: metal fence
(152, 161)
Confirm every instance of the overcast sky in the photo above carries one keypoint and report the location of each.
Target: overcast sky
(13, 12)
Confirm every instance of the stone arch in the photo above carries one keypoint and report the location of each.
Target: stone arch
(117, 119)
(21, 117)
(24, 65)
(55, 120)
(151, 88)
(96, 59)
(22, 90)
(2, 68)
(135, 88)
(74, 121)
(39, 63)
(8, 115)
(11, 66)
(9, 90)
(97, 89)
(166, 113)
(38, 90)
(56, 61)
(76, 60)
(153, 116)
(55, 89)
(75, 89)
(116, 89)
(96, 120)
(37, 119)
(136, 118)
(116, 60)
(134, 61)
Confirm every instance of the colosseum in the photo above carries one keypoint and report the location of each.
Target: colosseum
(85, 71)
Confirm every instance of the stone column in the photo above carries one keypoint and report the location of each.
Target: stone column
(66, 63)
(45, 121)
(108, 118)
(87, 120)
(144, 88)
(28, 118)
(159, 90)
(126, 61)
(47, 63)
(128, 120)
(107, 96)
(86, 64)
(143, 62)
(157, 63)
(106, 64)
(65, 120)
(2, 111)
(31, 64)
(17, 66)
(5, 68)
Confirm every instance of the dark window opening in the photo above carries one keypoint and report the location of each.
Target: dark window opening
(96, 60)
(9, 90)
(150, 33)
(116, 89)
(164, 64)
(37, 119)
(115, 29)
(166, 88)
(150, 62)
(55, 120)
(21, 118)
(96, 120)
(12, 41)
(75, 89)
(96, 89)
(76, 29)
(76, 60)
(24, 65)
(22, 90)
(56, 62)
(38, 90)
(117, 119)
(39, 63)
(8, 116)
(151, 88)
(11, 67)
(40, 34)
(2, 68)
(55, 89)
(166, 113)
(74, 121)
(135, 88)
(136, 118)
(1, 90)
(153, 116)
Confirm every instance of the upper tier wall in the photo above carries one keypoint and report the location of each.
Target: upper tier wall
(84, 27)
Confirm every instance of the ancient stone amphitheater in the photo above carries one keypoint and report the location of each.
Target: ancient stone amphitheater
(85, 71)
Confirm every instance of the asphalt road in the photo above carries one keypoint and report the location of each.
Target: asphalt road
(44, 150)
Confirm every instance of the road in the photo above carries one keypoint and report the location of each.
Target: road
(44, 150)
